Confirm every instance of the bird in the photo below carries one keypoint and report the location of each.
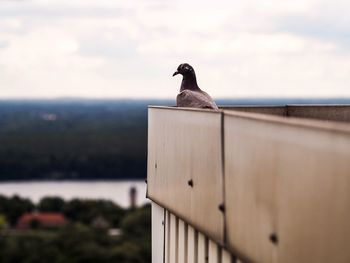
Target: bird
(190, 94)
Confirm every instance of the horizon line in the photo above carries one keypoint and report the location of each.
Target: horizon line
(166, 98)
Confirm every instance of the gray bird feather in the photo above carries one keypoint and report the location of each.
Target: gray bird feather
(195, 99)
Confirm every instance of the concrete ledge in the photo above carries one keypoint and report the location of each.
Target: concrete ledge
(269, 188)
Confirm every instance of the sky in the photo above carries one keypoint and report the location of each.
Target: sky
(129, 49)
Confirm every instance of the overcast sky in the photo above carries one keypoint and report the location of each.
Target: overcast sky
(111, 48)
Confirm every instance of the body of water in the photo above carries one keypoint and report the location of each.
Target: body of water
(117, 191)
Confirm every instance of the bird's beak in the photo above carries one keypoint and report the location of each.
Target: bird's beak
(175, 73)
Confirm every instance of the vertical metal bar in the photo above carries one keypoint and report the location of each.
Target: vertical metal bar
(167, 238)
(191, 245)
(226, 257)
(173, 239)
(206, 249)
(157, 233)
(177, 240)
(213, 252)
(182, 242)
(219, 254)
(196, 246)
(201, 248)
(186, 243)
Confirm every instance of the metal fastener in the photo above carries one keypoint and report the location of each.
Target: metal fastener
(274, 238)
(190, 182)
(222, 208)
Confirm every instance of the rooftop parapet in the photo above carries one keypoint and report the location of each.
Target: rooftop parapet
(269, 187)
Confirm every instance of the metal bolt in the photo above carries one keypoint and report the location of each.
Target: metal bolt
(222, 208)
(274, 238)
(190, 183)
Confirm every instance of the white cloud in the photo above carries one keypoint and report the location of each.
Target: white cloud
(120, 48)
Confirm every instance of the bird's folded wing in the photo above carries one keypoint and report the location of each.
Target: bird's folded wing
(195, 99)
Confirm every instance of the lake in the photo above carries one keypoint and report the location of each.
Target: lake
(117, 191)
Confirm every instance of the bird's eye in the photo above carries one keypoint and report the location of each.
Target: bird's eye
(187, 68)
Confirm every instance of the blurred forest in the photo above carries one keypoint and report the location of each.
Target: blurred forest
(68, 139)
(86, 139)
(80, 241)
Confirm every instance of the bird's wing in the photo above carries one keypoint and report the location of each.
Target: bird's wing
(195, 99)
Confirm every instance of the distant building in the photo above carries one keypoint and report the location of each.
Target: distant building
(100, 222)
(41, 220)
(133, 196)
(114, 232)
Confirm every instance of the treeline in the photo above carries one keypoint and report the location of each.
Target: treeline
(84, 139)
(79, 241)
(73, 140)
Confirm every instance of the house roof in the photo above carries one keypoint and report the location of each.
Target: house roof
(43, 219)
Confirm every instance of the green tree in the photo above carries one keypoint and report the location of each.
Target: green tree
(14, 207)
(3, 222)
(136, 229)
(137, 223)
(85, 211)
(51, 204)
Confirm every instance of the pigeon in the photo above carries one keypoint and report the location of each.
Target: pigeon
(190, 94)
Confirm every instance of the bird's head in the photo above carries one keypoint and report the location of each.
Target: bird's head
(184, 69)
